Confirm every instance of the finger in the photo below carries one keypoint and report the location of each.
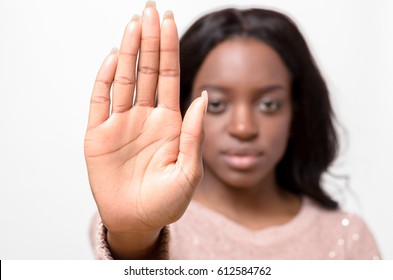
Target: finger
(149, 57)
(191, 137)
(124, 83)
(169, 74)
(100, 98)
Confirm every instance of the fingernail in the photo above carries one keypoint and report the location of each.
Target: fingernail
(168, 14)
(114, 50)
(151, 3)
(136, 18)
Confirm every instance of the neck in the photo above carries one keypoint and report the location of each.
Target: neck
(264, 202)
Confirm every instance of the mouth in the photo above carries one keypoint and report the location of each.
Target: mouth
(242, 159)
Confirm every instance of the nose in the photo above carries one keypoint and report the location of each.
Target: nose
(242, 124)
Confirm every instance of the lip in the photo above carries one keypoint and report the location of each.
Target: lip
(242, 158)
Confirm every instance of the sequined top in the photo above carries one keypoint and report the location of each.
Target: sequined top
(314, 233)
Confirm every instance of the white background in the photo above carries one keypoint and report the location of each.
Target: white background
(50, 52)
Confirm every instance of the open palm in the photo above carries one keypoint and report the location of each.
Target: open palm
(143, 160)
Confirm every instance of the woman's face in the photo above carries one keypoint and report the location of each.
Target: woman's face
(249, 115)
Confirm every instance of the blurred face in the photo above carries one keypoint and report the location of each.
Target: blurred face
(249, 115)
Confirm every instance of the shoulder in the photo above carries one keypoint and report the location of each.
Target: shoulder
(347, 232)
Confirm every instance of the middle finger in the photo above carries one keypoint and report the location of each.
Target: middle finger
(149, 57)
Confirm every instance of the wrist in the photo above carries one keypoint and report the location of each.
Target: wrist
(134, 245)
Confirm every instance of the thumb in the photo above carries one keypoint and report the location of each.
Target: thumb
(189, 160)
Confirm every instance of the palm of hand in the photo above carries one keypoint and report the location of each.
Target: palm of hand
(143, 161)
(135, 157)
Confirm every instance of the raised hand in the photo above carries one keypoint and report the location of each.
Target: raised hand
(143, 161)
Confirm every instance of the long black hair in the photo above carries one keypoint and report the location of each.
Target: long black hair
(314, 144)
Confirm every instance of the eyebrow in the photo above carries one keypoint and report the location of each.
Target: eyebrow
(261, 91)
(214, 88)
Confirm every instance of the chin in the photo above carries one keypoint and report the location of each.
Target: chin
(243, 181)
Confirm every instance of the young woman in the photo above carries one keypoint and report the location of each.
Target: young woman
(268, 138)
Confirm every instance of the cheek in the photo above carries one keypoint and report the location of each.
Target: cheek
(277, 133)
(211, 133)
(214, 139)
(282, 129)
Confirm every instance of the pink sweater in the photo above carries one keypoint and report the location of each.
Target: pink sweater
(314, 233)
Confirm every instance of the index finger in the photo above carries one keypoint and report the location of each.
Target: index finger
(169, 70)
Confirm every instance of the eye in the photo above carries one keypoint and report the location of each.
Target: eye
(215, 106)
(269, 105)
